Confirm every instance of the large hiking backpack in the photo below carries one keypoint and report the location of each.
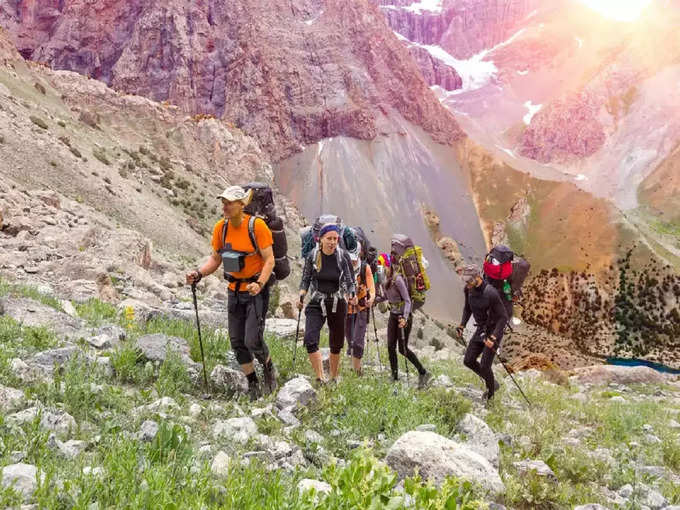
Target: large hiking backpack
(309, 236)
(262, 205)
(410, 266)
(506, 272)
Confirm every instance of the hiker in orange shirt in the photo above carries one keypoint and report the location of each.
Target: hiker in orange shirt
(243, 245)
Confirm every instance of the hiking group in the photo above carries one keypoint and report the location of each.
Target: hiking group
(343, 278)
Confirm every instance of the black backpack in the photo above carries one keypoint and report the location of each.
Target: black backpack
(262, 205)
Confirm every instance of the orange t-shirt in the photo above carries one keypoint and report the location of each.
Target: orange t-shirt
(240, 241)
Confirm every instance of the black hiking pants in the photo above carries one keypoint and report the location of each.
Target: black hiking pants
(395, 339)
(477, 347)
(246, 325)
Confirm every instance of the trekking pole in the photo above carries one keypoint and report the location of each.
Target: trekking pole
(200, 340)
(403, 343)
(377, 344)
(505, 366)
(297, 332)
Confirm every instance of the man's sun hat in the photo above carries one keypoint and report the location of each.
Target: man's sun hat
(234, 193)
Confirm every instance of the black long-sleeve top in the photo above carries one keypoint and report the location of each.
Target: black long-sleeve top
(485, 305)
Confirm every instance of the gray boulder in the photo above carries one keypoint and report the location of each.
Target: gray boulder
(52, 357)
(33, 313)
(480, 438)
(157, 346)
(297, 392)
(22, 477)
(436, 457)
(57, 421)
(228, 380)
(10, 399)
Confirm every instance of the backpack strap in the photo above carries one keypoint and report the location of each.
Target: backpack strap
(362, 273)
(251, 234)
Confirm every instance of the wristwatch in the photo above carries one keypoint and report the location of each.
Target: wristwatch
(259, 283)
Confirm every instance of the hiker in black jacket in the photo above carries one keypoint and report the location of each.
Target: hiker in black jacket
(484, 303)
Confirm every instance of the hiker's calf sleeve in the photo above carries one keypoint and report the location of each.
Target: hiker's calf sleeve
(314, 321)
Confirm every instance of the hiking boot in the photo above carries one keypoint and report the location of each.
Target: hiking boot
(254, 391)
(270, 375)
(486, 397)
(423, 380)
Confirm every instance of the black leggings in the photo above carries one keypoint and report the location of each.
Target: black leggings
(314, 320)
(394, 339)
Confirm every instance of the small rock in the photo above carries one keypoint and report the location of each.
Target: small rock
(591, 506)
(652, 439)
(540, 467)
(654, 500)
(17, 456)
(674, 425)
(236, 429)
(626, 491)
(10, 399)
(148, 431)
(220, 464)
(195, 410)
(307, 484)
(311, 436)
(617, 398)
(286, 416)
(100, 342)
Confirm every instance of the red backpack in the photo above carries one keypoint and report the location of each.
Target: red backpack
(498, 262)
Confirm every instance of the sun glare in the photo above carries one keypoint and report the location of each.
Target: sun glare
(619, 10)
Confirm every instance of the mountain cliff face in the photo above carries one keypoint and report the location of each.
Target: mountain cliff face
(288, 73)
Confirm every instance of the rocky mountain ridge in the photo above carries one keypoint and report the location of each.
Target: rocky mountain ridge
(286, 73)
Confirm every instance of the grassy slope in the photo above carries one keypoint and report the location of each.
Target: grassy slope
(169, 473)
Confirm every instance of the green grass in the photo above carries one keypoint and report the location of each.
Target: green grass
(26, 291)
(167, 472)
(96, 312)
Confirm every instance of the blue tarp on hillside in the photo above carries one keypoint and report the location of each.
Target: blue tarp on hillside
(642, 362)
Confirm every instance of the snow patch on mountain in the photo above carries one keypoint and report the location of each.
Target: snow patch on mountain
(533, 110)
